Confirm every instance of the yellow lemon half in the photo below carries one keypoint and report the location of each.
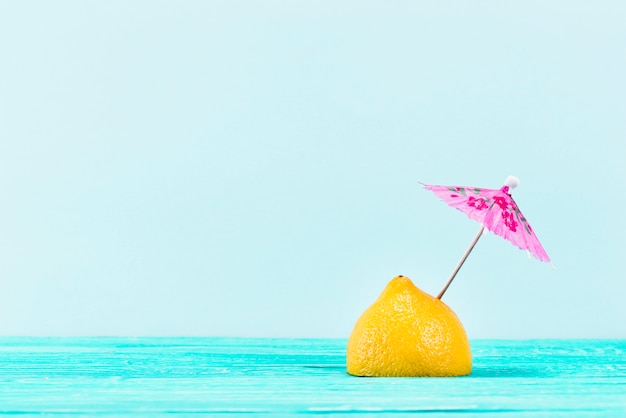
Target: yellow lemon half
(407, 332)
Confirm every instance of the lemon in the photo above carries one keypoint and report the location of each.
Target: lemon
(407, 332)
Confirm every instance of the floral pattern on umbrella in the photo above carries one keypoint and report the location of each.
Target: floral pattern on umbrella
(497, 211)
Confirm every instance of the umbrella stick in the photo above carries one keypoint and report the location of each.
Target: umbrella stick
(458, 266)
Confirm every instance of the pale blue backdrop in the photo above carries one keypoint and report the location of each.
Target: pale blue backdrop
(251, 168)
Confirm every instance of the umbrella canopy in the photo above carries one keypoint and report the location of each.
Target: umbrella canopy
(496, 211)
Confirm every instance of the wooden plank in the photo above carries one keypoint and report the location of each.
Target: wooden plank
(281, 377)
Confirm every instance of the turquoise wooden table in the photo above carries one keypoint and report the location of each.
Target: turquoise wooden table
(289, 377)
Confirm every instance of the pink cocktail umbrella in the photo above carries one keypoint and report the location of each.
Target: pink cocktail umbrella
(497, 212)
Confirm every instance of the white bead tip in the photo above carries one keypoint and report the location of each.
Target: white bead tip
(512, 182)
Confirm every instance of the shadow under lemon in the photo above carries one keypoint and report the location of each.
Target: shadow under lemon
(408, 332)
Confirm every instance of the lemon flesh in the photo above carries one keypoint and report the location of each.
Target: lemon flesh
(407, 332)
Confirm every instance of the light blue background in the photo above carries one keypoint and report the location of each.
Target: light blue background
(242, 168)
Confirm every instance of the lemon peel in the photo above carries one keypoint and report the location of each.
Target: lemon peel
(407, 332)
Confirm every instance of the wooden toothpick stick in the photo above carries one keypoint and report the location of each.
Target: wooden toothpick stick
(458, 266)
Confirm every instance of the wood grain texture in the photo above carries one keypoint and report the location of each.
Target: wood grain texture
(288, 377)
